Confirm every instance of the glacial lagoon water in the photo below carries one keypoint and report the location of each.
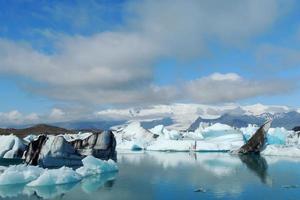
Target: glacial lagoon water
(158, 175)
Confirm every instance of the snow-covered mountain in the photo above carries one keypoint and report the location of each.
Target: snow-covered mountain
(288, 120)
(181, 116)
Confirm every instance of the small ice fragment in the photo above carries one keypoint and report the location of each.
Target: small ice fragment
(200, 190)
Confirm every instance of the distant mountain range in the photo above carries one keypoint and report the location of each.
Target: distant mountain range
(185, 117)
(181, 116)
(287, 120)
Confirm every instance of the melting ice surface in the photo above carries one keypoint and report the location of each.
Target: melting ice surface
(161, 175)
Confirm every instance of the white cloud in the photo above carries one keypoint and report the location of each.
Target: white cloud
(220, 88)
(56, 114)
(116, 67)
(225, 77)
(16, 117)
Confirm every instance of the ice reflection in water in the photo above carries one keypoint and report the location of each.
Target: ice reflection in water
(158, 175)
(89, 185)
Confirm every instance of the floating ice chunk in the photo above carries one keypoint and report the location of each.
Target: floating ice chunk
(93, 166)
(18, 174)
(277, 136)
(218, 127)
(170, 145)
(197, 135)
(35, 176)
(165, 133)
(281, 150)
(30, 138)
(217, 130)
(135, 132)
(249, 131)
(11, 146)
(274, 135)
(59, 176)
(128, 145)
(158, 130)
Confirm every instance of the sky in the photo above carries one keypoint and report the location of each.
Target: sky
(78, 57)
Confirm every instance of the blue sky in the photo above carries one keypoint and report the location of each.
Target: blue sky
(91, 55)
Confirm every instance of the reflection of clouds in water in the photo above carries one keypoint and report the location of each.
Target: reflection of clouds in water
(221, 173)
(220, 164)
(133, 158)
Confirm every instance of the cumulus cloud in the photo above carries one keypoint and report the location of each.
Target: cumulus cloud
(116, 67)
(218, 88)
(56, 114)
(16, 117)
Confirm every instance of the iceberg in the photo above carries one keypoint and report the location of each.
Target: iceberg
(35, 176)
(277, 136)
(161, 131)
(134, 137)
(257, 142)
(56, 151)
(11, 146)
(60, 150)
(281, 150)
(59, 176)
(273, 136)
(217, 137)
(19, 174)
(93, 166)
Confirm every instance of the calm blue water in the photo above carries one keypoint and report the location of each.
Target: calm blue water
(177, 176)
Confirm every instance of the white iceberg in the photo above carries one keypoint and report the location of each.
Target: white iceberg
(20, 174)
(165, 133)
(217, 137)
(34, 176)
(281, 150)
(93, 166)
(275, 136)
(59, 176)
(134, 137)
